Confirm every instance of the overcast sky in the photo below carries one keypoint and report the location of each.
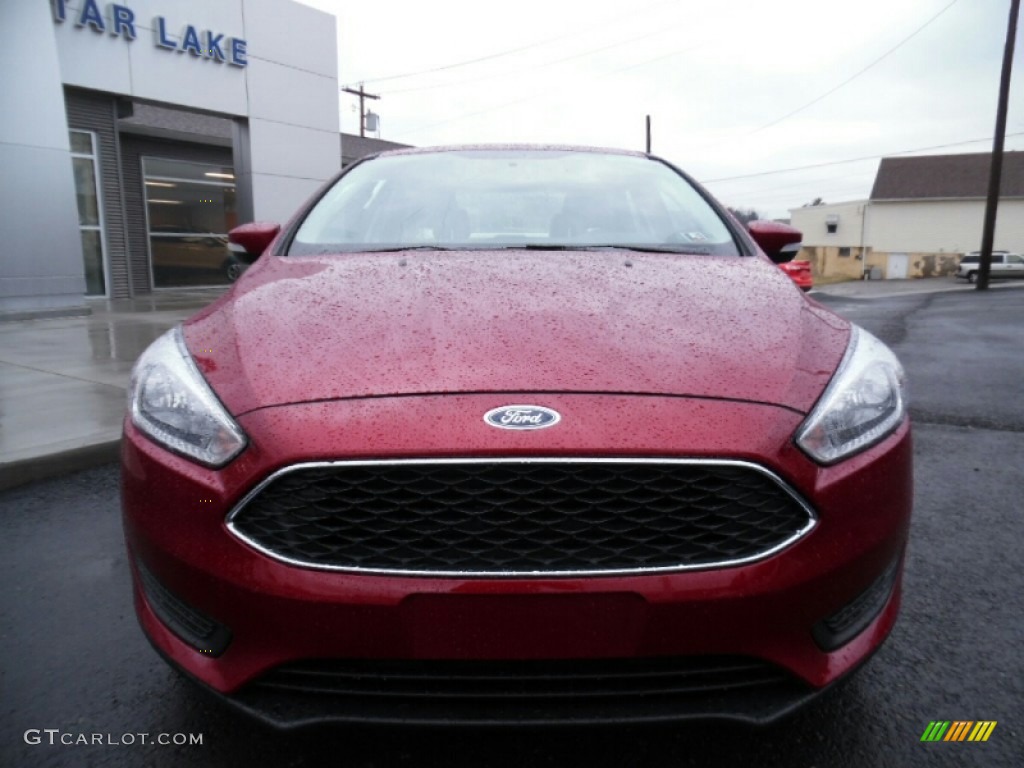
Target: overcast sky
(729, 85)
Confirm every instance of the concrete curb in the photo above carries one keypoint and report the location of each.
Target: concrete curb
(25, 471)
(44, 314)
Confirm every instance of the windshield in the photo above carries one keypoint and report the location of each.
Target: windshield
(487, 199)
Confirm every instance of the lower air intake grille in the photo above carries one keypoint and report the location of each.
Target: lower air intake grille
(593, 690)
(854, 617)
(201, 632)
(521, 517)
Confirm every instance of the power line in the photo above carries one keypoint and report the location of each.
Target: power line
(852, 160)
(855, 76)
(574, 56)
(854, 178)
(848, 193)
(793, 199)
(545, 93)
(770, 185)
(643, 63)
(509, 52)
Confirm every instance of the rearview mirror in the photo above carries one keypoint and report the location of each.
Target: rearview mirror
(253, 239)
(780, 242)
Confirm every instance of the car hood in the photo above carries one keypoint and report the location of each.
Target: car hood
(301, 329)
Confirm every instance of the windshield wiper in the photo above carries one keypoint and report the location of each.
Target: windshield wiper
(610, 247)
(693, 251)
(397, 248)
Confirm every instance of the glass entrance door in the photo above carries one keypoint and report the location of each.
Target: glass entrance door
(189, 209)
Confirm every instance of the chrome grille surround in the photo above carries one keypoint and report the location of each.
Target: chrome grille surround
(235, 519)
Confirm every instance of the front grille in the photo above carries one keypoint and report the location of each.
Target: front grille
(521, 517)
(522, 691)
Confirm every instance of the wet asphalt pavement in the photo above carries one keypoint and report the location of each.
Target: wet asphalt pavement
(72, 657)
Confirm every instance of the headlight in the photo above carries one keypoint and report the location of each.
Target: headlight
(171, 402)
(865, 401)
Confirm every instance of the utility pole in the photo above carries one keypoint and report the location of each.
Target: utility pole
(995, 175)
(648, 134)
(362, 109)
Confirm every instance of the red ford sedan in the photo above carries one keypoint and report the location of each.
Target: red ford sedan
(505, 435)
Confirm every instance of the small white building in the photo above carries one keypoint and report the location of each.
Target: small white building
(834, 237)
(923, 213)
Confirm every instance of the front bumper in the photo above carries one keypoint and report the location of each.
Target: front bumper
(280, 617)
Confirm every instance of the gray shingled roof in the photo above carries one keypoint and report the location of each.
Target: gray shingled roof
(929, 177)
(179, 123)
(353, 147)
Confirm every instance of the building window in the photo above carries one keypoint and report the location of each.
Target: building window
(189, 209)
(832, 223)
(90, 210)
(844, 251)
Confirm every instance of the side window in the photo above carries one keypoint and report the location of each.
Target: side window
(1013, 258)
(997, 258)
(84, 163)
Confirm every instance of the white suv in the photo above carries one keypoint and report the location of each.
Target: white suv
(1004, 264)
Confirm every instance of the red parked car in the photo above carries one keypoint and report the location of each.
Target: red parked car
(515, 435)
(799, 271)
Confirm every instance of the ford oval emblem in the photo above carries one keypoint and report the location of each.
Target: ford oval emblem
(522, 417)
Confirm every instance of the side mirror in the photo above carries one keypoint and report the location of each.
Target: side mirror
(780, 242)
(252, 239)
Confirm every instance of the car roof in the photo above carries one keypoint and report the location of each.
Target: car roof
(509, 147)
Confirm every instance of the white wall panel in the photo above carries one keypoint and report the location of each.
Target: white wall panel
(288, 95)
(221, 16)
(41, 256)
(183, 79)
(277, 198)
(32, 101)
(289, 150)
(91, 59)
(39, 220)
(948, 226)
(294, 35)
(139, 67)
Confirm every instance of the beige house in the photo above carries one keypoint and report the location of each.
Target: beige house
(923, 213)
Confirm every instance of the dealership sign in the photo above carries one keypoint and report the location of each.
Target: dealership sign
(120, 22)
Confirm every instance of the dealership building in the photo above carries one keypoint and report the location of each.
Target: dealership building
(134, 135)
